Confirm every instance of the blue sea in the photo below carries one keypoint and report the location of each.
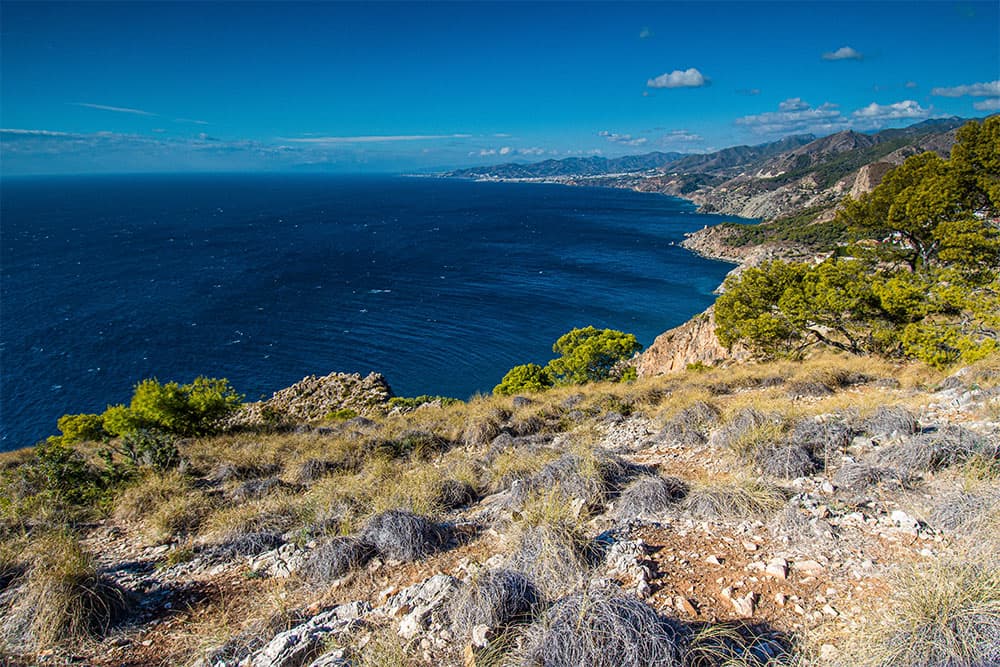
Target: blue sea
(441, 285)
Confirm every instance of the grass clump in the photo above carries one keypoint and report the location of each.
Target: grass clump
(497, 599)
(602, 627)
(649, 495)
(690, 425)
(938, 449)
(548, 544)
(404, 536)
(738, 644)
(63, 598)
(333, 558)
(749, 431)
(150, 493)
(592, 476)
(889, 422)
(180, 515)
(942, 613)
(736, 498)
(786, 461)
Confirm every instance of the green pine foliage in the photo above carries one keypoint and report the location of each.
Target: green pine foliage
(586, 354)
(923, 281)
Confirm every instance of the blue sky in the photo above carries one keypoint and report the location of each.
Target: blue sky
(399, 87)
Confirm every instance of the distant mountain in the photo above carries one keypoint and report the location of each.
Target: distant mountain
(799, 175)
(573, 166)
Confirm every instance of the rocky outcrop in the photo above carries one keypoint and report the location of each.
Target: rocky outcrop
(868, 177)
(690, 343)
(313, 398)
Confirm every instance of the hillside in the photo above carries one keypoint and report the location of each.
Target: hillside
(792, 176)
(782, 514)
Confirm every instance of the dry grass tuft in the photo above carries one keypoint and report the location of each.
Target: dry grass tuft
(649, 495)
(404, 536)
(937, 449)
(152, 491)
(180, 515)
(786, 461)
(63, 598)
(333, 558)
(738, 644)
(496, 599)
(602, 627)
(749, 431)
(942, 613)
(890, 422)
(548, 544)
(735, 498)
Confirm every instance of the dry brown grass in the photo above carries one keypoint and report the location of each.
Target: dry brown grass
(149, 494)
(63, 599)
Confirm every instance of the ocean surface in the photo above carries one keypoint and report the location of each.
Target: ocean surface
(441, 285)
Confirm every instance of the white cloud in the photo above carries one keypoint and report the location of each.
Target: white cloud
(843, 53)
(33, 133)
(680, 137)
(987, 89)
(193, 121)
(750, 92)
(793, 104)
(105, 107)
(910, 84)
(801, 118)
(505, 150)
(375, 138)
(623, 139)
(689, 78)
(645, 33)
(877, 113)
(992, 104)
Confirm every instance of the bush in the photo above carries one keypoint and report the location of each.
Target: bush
(524, 379)
(151, 448)
(190, 409)
(590, 354)
(602, 628)
(80, 428)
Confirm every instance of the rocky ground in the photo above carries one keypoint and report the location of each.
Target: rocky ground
(763, 514)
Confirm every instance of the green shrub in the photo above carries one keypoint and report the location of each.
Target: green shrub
(410, 403)
(190, 409)
(590, 354)
(146, 447)
(526, 378)
(79, 428)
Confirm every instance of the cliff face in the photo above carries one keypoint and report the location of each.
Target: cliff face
(690, 343)
(314, 398)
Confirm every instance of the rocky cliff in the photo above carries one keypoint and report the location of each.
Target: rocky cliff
(693, 342)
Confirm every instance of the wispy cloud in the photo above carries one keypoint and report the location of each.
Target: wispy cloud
(680, 138)
(795, 115)
(992, 104)
(508, 151)
(910, 84)
(645, 33)
(987, 89)
(843, 53)
(689, 78)
(371, 139)
(32, 133)
(749, 92)
(623, 139)
(193, 121)
(105, 107)
(793, 104)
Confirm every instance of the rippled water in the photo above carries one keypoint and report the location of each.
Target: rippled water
(440, 285)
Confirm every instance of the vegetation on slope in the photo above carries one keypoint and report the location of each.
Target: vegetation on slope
(922, 278)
